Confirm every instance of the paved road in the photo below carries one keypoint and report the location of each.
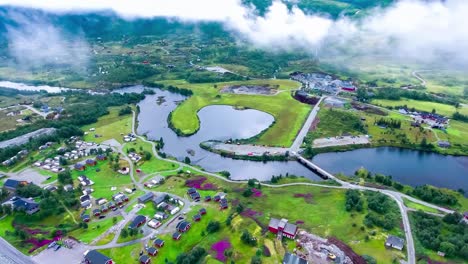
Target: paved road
(417, 76)
(10, 255)
(305, 128)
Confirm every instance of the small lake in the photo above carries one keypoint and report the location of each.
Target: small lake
(37, 88)
(406, 166)
(217, 122)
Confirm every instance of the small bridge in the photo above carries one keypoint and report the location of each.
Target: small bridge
(315, 168)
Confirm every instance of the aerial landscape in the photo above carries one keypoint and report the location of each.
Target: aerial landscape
(233, 131)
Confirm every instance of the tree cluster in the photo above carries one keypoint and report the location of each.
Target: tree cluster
(389, 123)
(353, 200)
(434, 195)
(193, 256)
(442, 235)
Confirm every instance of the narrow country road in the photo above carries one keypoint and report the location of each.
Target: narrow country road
(305, 128)
(419, 77)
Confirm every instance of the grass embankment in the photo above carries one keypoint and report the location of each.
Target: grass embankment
(109, 126)
(95, 229)
(418, 206)
(288, 113)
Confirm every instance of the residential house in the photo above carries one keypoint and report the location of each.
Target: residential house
(290, 258)
(202, 211)
(95, 257)
(217, 198)
(138, 221)
(68, 188)
(207, 198)
(145, 259)
(101, 157)
(223, 204)
(90, 162)
(282, 228)
(101, 201)
(159, 199)
(154, 223)
(85, 198)
(79, 167)
(176, 236)
(395, 242)
(12, 185)
(183, 226)
(160, 216)
(197, 217)
(159, 243)
(152, 251)
(86, 218)
(443, 144)
(86, 204)
(146, 197)
(27, 205)
(96, 212)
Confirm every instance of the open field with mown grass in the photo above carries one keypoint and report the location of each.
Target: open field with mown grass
(289, 114)
(446, 82)
(109, 126)
(95, 229)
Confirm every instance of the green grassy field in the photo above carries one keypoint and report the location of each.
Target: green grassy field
(104, 180)
(419, 206)
(443, 109)
(109, 126)
(95, 229)
(288, 113)
(334, 122)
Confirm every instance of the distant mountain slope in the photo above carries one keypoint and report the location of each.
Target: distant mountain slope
(333, 8)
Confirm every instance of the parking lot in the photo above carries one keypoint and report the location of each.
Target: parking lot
(61, 256)
(340, 141)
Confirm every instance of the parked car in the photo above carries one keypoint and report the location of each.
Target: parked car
(51, 245)
(57, 247)
(102, 216)
(115, 209)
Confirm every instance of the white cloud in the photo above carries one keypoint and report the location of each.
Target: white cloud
(409, 28)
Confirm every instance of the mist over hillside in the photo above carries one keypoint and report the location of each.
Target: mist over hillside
(423, 31)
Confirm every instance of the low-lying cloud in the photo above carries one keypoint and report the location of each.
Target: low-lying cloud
(424, 30)
(34, 42)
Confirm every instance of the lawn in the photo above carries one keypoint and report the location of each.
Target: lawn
(443, 109)
(288, 113)
(109, 126)
(104, 179)
(419, 206)
(95, 229)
